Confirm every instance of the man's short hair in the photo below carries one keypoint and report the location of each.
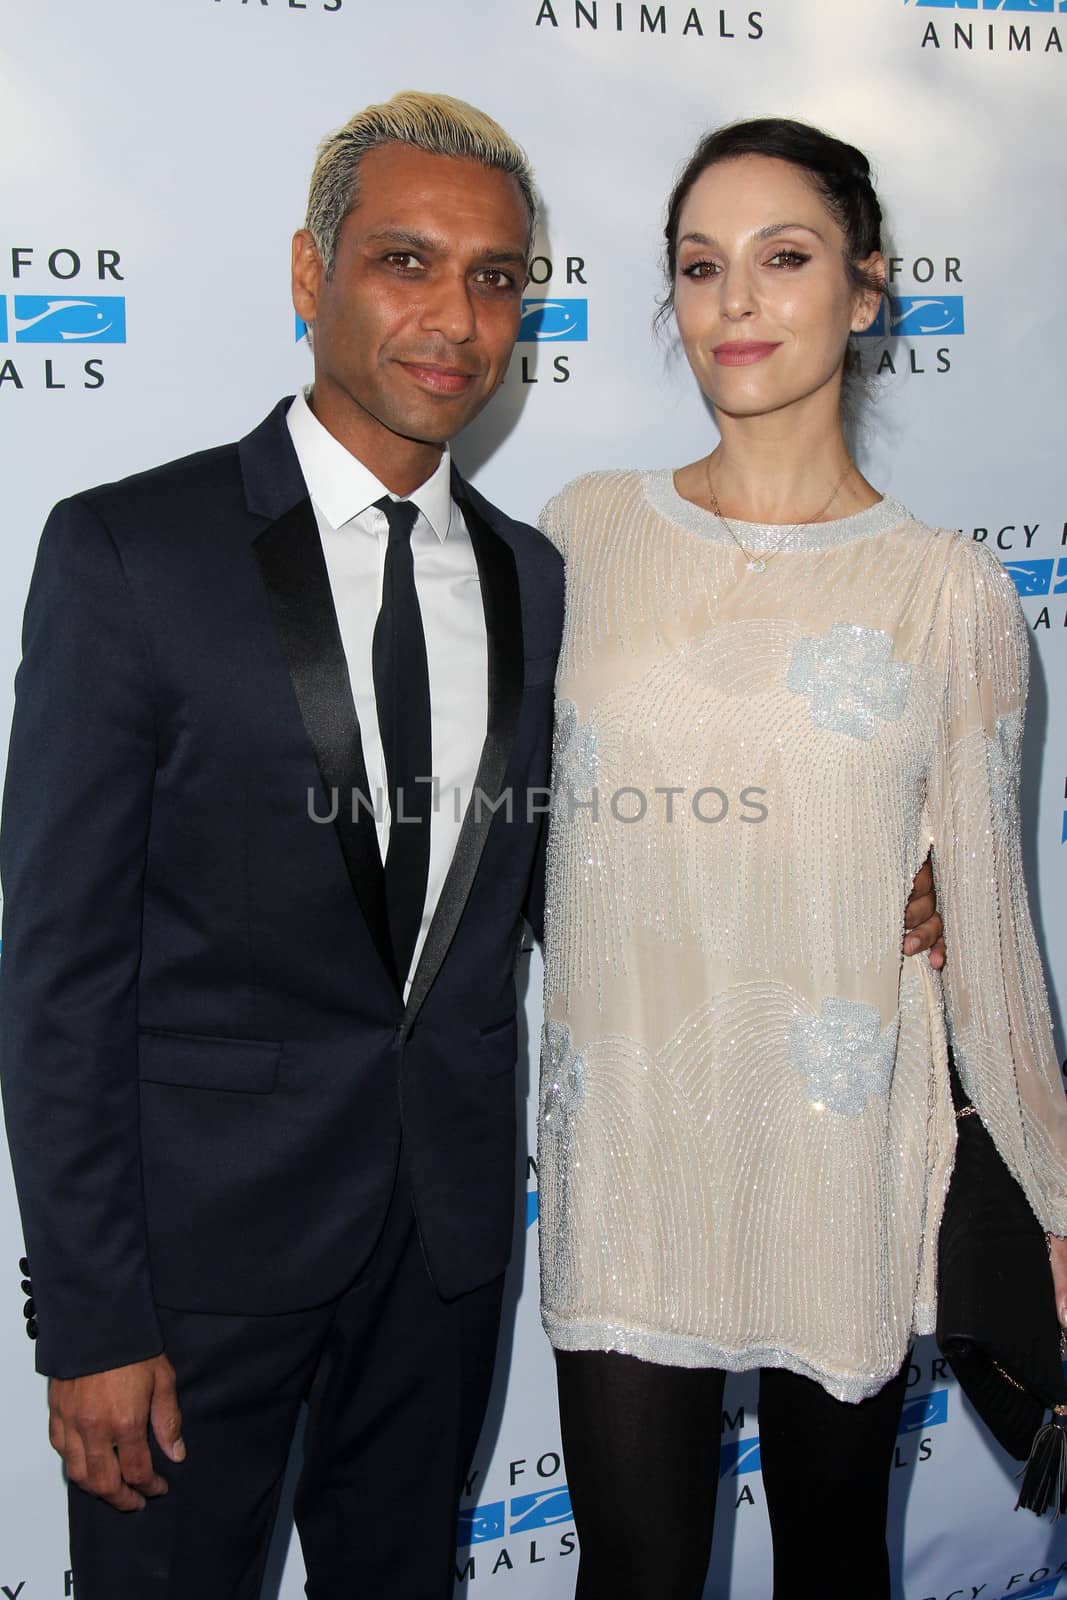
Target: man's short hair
(436, 123)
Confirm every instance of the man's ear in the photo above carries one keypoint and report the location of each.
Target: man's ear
(308, 275)
(869, 300)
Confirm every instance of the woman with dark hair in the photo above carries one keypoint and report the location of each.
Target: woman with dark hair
(777, 691)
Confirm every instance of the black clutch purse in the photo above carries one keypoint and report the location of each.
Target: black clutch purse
(996, 1311)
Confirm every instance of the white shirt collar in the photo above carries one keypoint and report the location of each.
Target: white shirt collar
(341, 486)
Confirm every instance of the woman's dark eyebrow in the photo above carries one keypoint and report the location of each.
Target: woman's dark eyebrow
(785, 227)
(768, 232)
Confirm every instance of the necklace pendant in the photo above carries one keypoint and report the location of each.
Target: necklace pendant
(756, 565)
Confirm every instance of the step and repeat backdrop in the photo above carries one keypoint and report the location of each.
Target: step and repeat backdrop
(155, 158)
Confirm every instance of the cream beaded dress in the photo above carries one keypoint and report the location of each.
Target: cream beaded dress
(746, 1127)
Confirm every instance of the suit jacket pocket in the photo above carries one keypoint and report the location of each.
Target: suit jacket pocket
(194, 1061)
(498, 1045)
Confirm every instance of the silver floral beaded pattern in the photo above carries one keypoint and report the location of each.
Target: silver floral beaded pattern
(845, 1055)
(562, 1092)
(851, 677)
(562, 1076)
(574, 752)
(1003, 756)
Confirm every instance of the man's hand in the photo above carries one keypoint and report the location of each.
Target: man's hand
(923, 930)
(99, 1425)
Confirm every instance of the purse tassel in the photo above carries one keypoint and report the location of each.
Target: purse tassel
(1044, 1478)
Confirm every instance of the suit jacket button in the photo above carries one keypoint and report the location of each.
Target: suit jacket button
(24, 1266)
(29, 1310)
(31, 1329)
(27, 1286)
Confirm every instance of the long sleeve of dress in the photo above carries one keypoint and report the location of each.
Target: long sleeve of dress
(998, 1011)
(552, 521)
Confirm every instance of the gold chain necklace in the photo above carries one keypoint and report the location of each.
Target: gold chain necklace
(757, 563)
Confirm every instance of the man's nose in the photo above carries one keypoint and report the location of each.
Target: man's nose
(450, 311)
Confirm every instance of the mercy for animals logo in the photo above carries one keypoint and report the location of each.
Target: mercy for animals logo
(63, 300)
(991, 27)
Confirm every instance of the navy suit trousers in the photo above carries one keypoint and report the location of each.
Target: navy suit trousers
(395, 1381)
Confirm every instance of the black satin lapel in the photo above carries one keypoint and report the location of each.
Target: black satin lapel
(294, 570)
(503, 628)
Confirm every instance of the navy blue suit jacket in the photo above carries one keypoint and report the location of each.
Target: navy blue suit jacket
(207, 1061)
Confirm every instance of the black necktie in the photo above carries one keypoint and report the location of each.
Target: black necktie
(402, 695)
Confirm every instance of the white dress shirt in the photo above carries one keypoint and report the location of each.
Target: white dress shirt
(354, 534)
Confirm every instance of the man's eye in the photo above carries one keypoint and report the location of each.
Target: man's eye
(700, 269)
(496, 278)
(403, 259)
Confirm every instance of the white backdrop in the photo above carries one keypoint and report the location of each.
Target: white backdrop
(155, 157)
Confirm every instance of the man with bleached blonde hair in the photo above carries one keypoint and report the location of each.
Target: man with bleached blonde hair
(438, 124)
(273, 811)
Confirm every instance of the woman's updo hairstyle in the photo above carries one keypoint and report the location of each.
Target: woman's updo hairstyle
(840, 173)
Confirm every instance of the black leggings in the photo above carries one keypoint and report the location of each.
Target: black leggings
(642, 1448)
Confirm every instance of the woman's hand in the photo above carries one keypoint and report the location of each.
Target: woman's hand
(1057, 1255)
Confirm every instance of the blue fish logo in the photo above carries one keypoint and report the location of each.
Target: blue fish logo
(542, 1510)
(924, 1412)
(301, 328)
(1039, 1591)
(1060, 585)
(910, 316)
(556, 321)
(926, 314)
(46, 319)
(479, 1523)
(738, 1456)
(996, 5)
(1031, 577)
(532, 1207)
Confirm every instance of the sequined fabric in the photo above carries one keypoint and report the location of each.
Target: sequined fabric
(747, 1130)
(850, 679)
(573, 752)
(1003, 753)
(845, 1054)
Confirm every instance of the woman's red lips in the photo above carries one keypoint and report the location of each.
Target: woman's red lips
(742, 352)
